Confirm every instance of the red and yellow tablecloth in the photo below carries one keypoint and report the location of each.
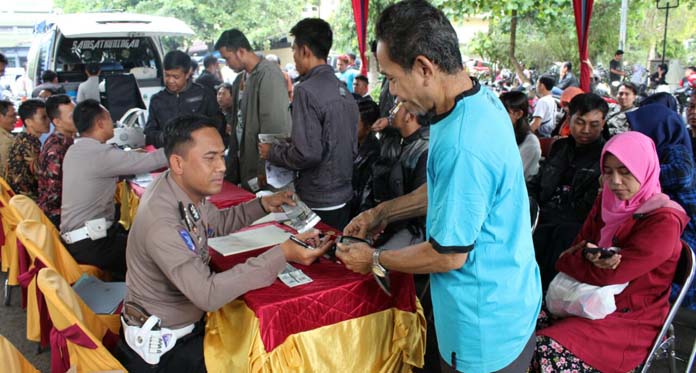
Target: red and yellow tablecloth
(340, 322)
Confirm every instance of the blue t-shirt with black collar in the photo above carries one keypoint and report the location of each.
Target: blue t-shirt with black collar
(485, 311)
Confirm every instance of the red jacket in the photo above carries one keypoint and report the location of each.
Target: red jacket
(650, 250)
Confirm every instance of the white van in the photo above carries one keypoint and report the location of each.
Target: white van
(120, 42)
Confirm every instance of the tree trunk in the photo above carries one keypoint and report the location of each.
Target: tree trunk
(513, 41)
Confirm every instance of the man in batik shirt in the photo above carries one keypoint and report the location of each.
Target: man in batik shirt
(23, 160)
(50, 172)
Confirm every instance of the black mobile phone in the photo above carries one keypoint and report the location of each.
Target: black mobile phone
(604, 252)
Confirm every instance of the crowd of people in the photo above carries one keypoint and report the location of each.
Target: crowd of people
(438, 176)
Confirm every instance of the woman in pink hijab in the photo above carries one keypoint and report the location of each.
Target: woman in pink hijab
(644, 225)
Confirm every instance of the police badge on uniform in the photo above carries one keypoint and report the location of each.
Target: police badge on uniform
(187, 239)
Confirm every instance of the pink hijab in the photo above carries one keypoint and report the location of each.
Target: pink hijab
(637, 152)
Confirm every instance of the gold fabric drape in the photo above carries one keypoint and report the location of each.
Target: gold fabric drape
(388, 341)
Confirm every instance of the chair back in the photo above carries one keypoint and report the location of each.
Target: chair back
(122, 94)
(77, 331)
(545, 143)
(13, 360)
(39, 244)
(27, 209)
(684, 276)
(9, 218)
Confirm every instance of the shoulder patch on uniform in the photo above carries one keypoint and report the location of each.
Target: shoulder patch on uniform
(187, 239)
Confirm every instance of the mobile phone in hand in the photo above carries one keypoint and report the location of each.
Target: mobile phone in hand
(605, 253)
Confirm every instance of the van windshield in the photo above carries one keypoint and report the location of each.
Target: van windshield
(115, 55)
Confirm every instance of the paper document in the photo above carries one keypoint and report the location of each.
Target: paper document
(101, 297)
(292, 276)
(276, 176)
(252, 239)
(274, 216)
(300, 217)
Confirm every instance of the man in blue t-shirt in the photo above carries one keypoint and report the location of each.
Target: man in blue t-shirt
(485, 282)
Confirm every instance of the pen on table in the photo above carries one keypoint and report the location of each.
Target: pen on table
(301, 243)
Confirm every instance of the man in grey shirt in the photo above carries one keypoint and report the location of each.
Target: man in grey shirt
(90, 87)
(259, 104)
(91, 170)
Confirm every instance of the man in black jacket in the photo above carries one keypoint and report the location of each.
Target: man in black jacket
(180, 96)
(210, 77)
(323, 142)
(567, 183)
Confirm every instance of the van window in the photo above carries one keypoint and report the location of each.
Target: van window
(45, 46)
(116, 55)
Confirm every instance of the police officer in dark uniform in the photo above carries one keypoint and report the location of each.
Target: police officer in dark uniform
(168, 262)
(180, 96)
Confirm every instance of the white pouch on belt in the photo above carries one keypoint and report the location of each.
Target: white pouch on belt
(96, 228)
(149, 341)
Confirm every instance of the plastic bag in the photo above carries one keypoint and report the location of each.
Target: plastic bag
(567, 296)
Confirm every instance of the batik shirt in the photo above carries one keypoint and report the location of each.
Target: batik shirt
(22, 164)
(50, 172)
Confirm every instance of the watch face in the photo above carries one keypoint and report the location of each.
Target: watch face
(378, 270)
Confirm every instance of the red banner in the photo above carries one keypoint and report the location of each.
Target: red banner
(583, 14)
(360, 15)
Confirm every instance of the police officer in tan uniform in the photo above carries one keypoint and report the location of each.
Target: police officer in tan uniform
(91, 169)
(168, 263)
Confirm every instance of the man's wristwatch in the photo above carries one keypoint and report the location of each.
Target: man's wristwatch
(377, 268)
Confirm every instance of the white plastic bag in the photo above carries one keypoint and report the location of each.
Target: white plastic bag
(567, 296)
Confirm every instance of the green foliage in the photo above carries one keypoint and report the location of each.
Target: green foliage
(208, 18)
(544, 38)
(343, 25)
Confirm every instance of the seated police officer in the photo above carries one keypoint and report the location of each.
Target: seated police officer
(91, 169)
(168, 277)
(180, 96)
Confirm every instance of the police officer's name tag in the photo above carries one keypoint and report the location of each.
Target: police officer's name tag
(292, 276)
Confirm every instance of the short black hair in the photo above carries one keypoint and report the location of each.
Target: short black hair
(547, 81)
(619, 52)
(315, 34)
(373, 47)
(48, 76)
(28, 108)
(568, 65)
(630, 86)
(233, 39)
(53, 105)
(5, 106)
(178, 130)
(587, 102)
(351, 55)
(226, 86)
(210, 61)
(177, 60)
(369, 112)
(85, 114)
(664, 67)
(363, 78)
(93, 68)
(3, 59)
(413, 28)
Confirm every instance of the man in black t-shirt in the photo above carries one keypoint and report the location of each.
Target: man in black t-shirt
(615, 71)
